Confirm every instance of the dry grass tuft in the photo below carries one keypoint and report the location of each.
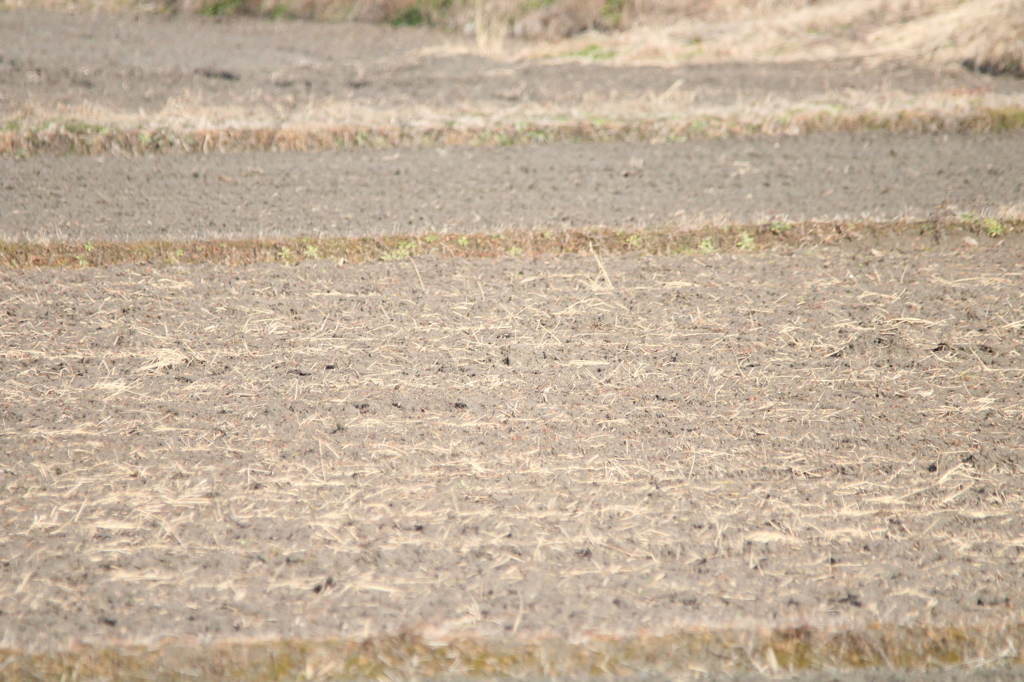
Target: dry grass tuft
(986, 33)
(995, 45)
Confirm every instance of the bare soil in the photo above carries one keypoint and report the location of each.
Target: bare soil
(826, 438)
(876, 175)
(808, 440)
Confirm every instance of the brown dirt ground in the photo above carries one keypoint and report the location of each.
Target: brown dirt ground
(876, 175)
(827, 437)
(513, 449)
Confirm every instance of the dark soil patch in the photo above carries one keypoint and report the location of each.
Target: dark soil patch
(875, 175)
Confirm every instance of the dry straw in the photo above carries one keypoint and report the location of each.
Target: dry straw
(664, 476)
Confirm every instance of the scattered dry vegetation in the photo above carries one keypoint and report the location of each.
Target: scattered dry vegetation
(813, 423)
(518, 466)
(408, 657)
(27, 135)
(987, 35)
(516, 243)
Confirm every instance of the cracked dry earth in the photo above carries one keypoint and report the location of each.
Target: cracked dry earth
(826, 436)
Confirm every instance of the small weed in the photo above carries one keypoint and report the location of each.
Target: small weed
(89, 247)
(745, 241)
(780, 227)
(80, 128)
(286, 255)
(993, 228)
(548, 234)
(595, 52)
(462, 241)
(706, 245)
(221, 8)
(515, 251)
(1007, 119)
(402, 251)
(430, 238)
(612, 12)
(410, 17)
(312, 251)
(179, 254)
(634, 241)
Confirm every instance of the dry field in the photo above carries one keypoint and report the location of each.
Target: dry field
(690, 349)
(796, 445)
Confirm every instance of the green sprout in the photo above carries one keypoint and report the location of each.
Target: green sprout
(402, 251)
(595, 52)
(993, 227)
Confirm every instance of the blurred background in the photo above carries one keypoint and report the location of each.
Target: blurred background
(985, 35)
